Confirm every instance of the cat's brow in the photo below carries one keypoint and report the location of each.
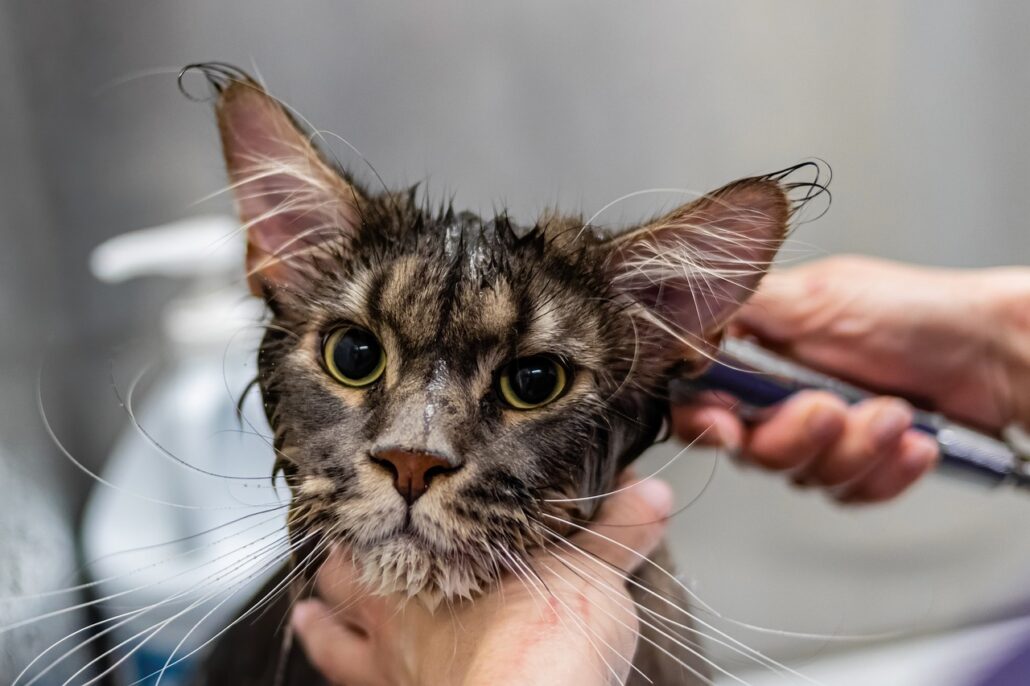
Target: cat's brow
(488, 313)
(557, 326)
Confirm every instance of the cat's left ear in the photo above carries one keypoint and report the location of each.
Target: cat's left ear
(291, 201)
(693, 268)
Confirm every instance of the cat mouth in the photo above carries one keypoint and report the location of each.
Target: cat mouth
(405, 562)
(405, 534)
(410, 552)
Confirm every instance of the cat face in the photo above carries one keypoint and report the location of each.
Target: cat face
(482, 374)
(444, 388)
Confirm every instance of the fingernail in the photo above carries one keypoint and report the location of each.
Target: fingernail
(728, 438)
(657, 494)
(824, 425)
(889, 423)
(720, 434)
(709, 431)
(920, 456)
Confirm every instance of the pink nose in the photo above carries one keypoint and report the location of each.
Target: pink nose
(412, 470)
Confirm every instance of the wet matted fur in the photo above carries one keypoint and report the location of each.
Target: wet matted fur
(454, 298)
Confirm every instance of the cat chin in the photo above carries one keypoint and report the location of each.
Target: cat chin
(403, 566)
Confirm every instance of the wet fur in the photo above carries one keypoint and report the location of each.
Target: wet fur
(453, 297)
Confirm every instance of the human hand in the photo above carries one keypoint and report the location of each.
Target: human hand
(955, 339)
(570, 620)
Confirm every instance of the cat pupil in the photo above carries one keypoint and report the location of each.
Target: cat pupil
(357, 354)
(534, 379)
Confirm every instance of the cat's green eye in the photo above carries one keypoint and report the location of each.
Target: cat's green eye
(531, 382)
(354, 356)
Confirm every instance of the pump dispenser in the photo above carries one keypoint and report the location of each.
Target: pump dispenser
(190, 522)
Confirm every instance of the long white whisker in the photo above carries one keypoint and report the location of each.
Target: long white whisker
(585, 629)
(695, 650)
(67, 453)
(130, 615)
(665, 651)
(236, 621)
(636, 483)
(90, 603)
(160, 626)
(128, 405)
(685, 589)
(200, 621)
(91, 584)
(658, 616)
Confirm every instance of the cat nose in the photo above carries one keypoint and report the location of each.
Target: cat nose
(412, 470)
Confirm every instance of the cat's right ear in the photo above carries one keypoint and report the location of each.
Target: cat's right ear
(292, 203)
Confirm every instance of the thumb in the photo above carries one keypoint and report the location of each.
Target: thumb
(341, 655)
(630, 524)
(775, 312)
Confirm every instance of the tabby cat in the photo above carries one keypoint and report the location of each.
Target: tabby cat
(437, 382)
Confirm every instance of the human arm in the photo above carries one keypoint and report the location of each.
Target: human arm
(959, 340)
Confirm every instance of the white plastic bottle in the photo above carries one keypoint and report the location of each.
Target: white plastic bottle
(189, 524)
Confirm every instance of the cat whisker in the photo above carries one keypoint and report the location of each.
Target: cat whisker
(675, 513)
(126, 592)
(155, 629)
(127, 403)
(131, 615)
(322, 133)
(658, 616)
(299, 569)
(132, 76)
(92, 584)
(690, 646)
(622, 198)
(269, 596)
(244, 432)
(528, 574)
(306, 587)
(99, 479)
(645, 560)
(650, 476)
(185, 637)
(239, 403)
(613, 594)
(632, 365)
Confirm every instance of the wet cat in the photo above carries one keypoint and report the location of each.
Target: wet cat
(439, 384)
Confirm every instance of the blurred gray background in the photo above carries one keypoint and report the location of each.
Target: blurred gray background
(919, 107)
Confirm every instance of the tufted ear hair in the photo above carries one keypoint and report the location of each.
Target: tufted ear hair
(293, 204)
(691, 269)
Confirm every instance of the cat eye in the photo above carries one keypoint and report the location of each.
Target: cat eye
(354, 356)
(530, 382)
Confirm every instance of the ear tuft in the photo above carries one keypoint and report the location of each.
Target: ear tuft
(217, 76)
(692, 268)
(292, 203)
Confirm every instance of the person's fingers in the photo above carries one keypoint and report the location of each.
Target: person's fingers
(797, 432)
(630, 524)
(708, 425)
(338, 577)
(339, 586)
(916, 455)
(872, 434)
(342, 656)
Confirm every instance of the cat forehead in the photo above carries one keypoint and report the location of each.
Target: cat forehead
(465, 285)
(467, 243)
